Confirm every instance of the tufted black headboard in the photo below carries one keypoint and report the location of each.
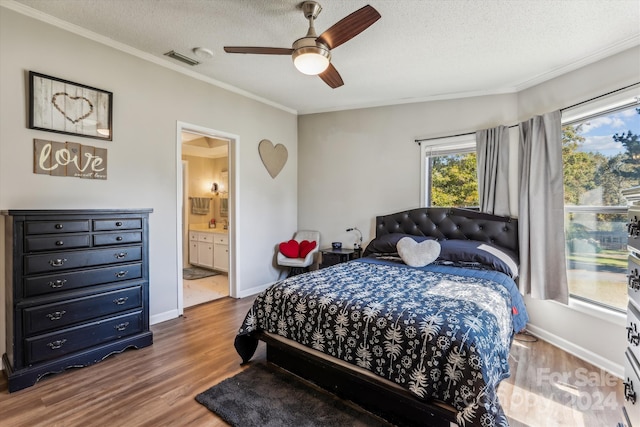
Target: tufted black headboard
(452, 223)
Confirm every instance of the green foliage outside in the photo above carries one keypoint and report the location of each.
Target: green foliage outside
(594, 179)
(597, 242)
(454, 181)
(590, 178)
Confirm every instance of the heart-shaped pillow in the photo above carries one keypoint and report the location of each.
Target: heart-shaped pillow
(416, 254)
(306, 247)
(290, 249)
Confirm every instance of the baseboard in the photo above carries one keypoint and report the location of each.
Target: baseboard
(163, 317)
(580, 352)
(253, 291)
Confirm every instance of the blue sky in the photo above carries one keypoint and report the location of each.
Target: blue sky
(598, 132)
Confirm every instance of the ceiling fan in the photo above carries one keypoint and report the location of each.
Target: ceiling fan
(312, 53)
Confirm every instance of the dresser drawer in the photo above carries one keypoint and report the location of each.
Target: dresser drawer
(117, 238)
(56, 242)
(633, 279)
(61, 343)
(62, 282)
(631, 391)
(56, 227)
(633, 330)
(633, 229)
(56, 261)
(55, 316)
(117, 224)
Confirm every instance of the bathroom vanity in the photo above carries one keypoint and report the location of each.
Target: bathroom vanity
(209, 247)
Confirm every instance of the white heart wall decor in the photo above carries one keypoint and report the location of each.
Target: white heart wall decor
(416, 254)
(273, 157)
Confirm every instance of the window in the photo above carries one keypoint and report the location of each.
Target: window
(601, 157)
(450, 176)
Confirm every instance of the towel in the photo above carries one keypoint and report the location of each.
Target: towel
(224, 207)
(200, 205)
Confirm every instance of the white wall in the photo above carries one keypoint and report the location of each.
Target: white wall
(149, 100)
(355, 165)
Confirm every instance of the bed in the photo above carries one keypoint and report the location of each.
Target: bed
(415, 344)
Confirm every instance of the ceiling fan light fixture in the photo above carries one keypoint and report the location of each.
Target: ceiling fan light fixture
(311, 60)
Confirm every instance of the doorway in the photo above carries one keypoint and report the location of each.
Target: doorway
(206, 215)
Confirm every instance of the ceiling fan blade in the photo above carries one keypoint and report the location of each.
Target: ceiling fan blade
(349, 27)
(259, 50)
(331, 77)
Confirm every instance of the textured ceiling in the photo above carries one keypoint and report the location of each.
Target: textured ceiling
(419, 49)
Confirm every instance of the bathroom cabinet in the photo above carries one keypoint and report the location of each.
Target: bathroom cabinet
(201, 249)
(221, 252)
(209, 249)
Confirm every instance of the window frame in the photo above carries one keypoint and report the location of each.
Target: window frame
(446, 145)
(603, 105)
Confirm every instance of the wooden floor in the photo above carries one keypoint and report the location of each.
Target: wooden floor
(156, 386)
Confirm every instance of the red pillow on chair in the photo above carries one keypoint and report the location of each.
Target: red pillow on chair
(306, 247)
(290, 249)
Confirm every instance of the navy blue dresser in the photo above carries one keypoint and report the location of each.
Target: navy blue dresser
(77, 289)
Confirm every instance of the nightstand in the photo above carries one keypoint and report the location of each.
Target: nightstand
(332, 256)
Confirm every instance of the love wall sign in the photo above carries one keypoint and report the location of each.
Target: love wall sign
(61, 106)
(69, 159)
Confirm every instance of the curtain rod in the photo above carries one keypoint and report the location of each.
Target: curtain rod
(451, 136)
(512, 126)
(600, 96)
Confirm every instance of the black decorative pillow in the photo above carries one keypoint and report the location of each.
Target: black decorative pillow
(386, 244)
(486, 254)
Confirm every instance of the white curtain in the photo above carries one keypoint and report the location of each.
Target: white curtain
(492, 149)
(541, 206)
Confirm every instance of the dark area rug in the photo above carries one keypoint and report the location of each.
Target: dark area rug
(264, 395)
(197, 273)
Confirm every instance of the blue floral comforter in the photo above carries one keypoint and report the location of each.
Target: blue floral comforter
(440, 332)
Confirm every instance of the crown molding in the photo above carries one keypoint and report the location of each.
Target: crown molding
(83, 32)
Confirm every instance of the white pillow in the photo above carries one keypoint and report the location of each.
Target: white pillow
(416, 254)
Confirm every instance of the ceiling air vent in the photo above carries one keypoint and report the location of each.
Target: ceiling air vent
(175, 55)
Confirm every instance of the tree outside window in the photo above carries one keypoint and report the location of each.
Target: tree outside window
(601, 157)
(454, 180)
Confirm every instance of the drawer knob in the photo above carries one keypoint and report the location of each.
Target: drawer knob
(121, 326)
(119, 238)
(59, 243)
(121, 255)
(56, 344)
(59, 226)
(633, 227)
(120, 301)
(629, 393)
(633, 280)
(118, 224)
(56, 315)
(632, 334)
(57, 283)
(57, 262)
(121, 274)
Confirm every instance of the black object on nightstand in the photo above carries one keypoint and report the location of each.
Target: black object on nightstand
(332, 256)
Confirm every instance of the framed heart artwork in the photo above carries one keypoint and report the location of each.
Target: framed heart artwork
(61, 106)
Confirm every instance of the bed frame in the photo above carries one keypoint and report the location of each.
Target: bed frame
(396, 405)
